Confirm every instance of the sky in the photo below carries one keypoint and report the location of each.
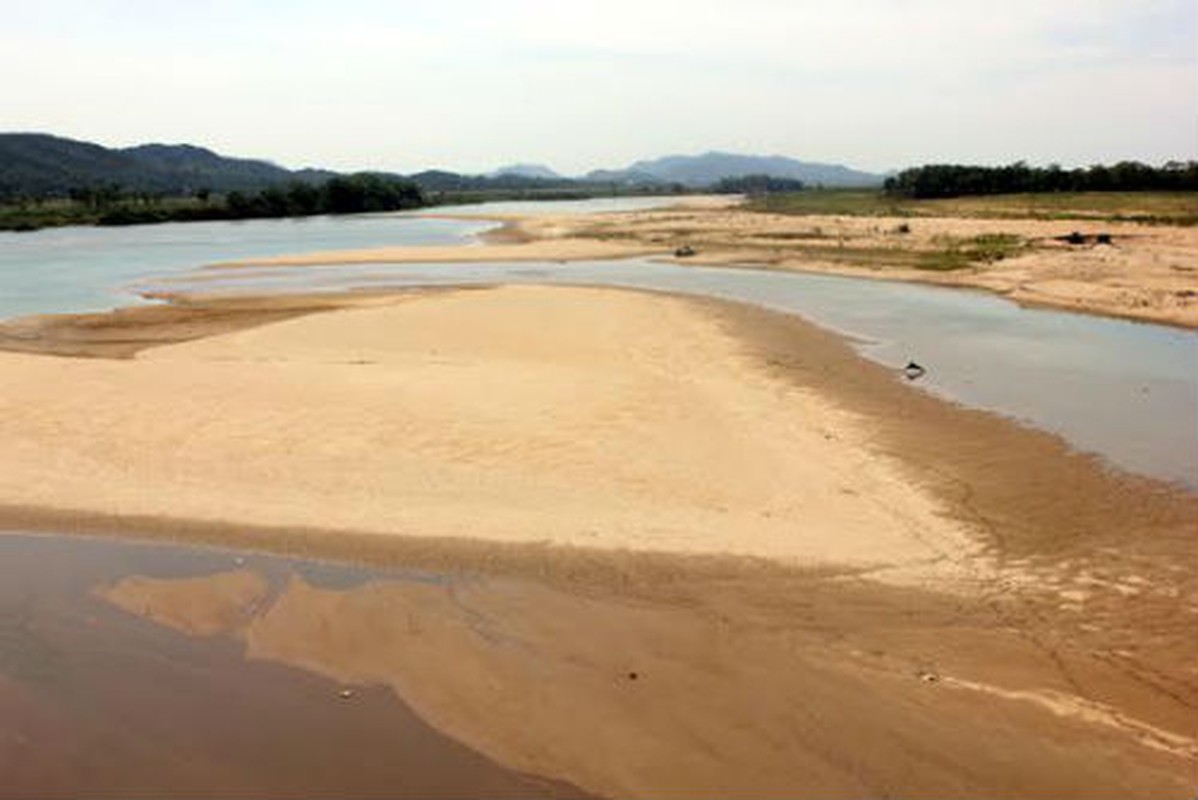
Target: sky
(470, 85)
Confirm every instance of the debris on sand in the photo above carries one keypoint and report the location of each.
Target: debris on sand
(1079, 238)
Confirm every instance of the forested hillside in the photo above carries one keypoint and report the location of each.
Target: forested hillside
(38, 166)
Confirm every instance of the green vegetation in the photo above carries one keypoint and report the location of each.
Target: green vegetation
(36, 165)
(956, 180)
(847, 202)
(947, 253)
(755, 185)
(955, 253)
(1172, 208)
(48, 181)
(108, 205)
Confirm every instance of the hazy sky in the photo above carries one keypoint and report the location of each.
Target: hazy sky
(472, 84)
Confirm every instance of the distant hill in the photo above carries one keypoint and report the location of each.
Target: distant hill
(41, 165)
(435, 180)
(439, 180)
(537, 171)
(626, 177)
(710, 168)
(197, 164)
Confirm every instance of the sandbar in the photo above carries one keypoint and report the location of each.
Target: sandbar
(695, 548)
(1140, 271)
(583, 417)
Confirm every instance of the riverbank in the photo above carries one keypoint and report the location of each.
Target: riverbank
(764, 529)
(1137, 271)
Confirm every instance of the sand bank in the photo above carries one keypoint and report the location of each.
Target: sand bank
(822, 579)
(1147, 271)
(564, 249)
(575, 417)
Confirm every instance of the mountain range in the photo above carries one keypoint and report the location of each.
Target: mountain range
(707, 169)
(42, 165)
(534, 171)
(710, 168)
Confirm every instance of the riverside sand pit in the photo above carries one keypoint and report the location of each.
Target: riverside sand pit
(822, 579)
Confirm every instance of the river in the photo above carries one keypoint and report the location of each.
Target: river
(1124, 390)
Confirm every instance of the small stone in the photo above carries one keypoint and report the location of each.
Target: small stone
(345, 694)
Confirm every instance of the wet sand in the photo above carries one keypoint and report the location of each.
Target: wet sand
(741, 684)
(824, 582)
(95, 702)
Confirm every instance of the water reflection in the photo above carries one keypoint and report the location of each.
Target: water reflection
(95, 701)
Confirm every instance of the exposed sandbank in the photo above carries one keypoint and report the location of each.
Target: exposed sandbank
(938, 602)
(510, 414)
(1147, 273)
(565, 249)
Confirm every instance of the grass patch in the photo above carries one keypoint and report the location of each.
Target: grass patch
(960, 253)
(1177, 208)
(1159, 208)
(949, 253)
(847, 202)
(46, 214)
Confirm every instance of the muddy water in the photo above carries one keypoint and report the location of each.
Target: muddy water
(96, 701)
(136, 670)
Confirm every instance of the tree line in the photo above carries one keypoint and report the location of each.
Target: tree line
(348, 194)
(756, 185)
(954, 180)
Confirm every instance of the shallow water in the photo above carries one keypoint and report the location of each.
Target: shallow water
(60, 270)
(97, 702)
(1124, 390)
(1127, 391)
